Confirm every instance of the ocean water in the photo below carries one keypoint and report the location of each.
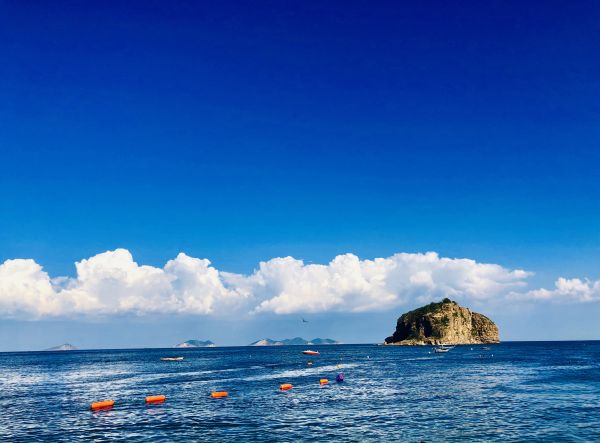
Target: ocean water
(544, 391)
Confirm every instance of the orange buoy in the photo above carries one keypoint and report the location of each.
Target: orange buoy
(102, 405)
(219, 394)
(285, 386)
(324, 381)
(155, 399)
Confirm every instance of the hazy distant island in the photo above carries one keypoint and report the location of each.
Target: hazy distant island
(294, 341)
(196, 344)
(443, 323)
(63, 347)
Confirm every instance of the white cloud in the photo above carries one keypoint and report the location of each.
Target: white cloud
(113, 283)
(565, 290)
(25, 289)
(287, 285)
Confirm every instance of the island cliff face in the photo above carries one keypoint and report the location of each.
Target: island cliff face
(443, 323)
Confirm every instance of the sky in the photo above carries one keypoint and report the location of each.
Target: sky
(179, 170)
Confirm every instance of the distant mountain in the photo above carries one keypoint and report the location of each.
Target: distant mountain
(294, 341)
(63, 347)
(266, 342)
(324, 341)
(196, 344)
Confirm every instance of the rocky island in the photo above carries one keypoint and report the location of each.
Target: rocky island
(63, 347)
(196, 344)
(443, 323)
(294, 341)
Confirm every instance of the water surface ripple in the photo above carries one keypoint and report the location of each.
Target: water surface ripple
(544, 391)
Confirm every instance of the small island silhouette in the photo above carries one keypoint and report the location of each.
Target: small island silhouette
(63, 347)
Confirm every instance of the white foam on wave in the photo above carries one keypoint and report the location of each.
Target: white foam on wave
(419, 358)
(304, 372)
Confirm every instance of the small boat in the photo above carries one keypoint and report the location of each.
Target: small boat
(171, 358)
(309, 352)
(441, 349)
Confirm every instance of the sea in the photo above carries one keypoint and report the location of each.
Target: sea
(513, 391)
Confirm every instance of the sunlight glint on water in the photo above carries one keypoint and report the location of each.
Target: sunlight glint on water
(514, 391)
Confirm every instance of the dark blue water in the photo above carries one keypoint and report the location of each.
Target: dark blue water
(511, 392)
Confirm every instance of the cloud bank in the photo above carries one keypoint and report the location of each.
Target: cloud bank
(112, 283)
(565, 290)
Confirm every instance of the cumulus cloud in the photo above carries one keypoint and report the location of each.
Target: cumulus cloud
(113, 283)
(287, 285)
(25, 288)
(565, 290)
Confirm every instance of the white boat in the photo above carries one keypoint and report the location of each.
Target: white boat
(443, 348)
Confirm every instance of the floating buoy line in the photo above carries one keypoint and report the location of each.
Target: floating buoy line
(158, 399)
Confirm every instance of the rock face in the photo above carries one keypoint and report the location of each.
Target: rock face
(196, 344)
(443, 323)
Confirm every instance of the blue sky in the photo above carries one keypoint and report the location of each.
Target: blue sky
(244, 131)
